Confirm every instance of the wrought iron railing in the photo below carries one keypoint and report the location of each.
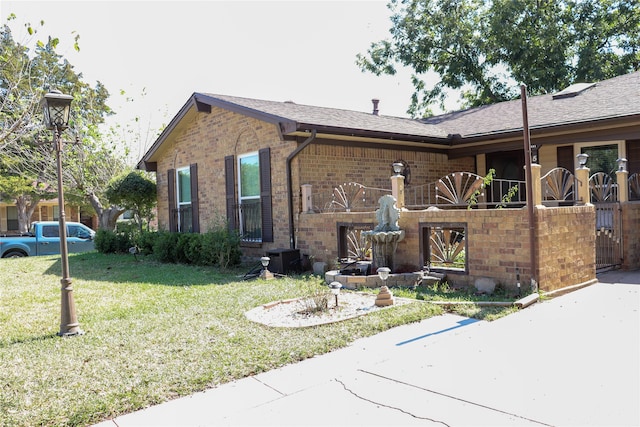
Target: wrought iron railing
(559, 187)
(349, 197)
(465, 189)
(249, 213)
(183, 218)
(634, 186)
(603, 188)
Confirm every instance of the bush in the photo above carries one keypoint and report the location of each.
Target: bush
(221, 247)
(165, 246)
(217, 247)
(145, 242)
(108, 242)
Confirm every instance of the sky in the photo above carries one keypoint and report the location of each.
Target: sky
(160, 52)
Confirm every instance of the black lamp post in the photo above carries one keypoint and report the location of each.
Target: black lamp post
(56, 106)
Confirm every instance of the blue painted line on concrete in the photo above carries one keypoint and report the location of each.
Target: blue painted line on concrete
(460, 324)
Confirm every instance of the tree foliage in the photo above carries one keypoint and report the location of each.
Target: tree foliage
(136, 192)
(28, 70)
(485, 49)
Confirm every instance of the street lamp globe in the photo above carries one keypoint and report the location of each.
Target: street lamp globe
(56, 107)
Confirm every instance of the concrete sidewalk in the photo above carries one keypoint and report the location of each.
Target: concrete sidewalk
(573, 360)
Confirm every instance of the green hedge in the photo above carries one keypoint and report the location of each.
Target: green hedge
(217, 247)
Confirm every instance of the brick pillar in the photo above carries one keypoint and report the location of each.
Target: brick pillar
(397, 190)
(584, 192)
(536, 185)
(307, 201)
(622, 176)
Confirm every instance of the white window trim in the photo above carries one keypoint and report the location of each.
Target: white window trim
(239, 173)
(178, 190)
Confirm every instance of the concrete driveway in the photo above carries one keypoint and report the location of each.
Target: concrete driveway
(573, 360)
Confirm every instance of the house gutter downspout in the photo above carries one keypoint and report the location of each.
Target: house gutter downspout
(527, 157)
(290, 157)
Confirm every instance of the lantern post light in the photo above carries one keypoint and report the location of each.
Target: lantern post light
(582, 159)
(335, 290)
(265, 273)
(56, 107)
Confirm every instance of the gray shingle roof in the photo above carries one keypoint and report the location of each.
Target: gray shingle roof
(616, 97)
(334, 118)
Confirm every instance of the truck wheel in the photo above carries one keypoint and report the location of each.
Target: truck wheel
(14, 254)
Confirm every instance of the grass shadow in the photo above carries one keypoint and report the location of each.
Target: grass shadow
(120, 268)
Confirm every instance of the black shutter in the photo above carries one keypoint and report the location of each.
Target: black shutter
(265, 194)
(565, 159)
(195, 210)
(633, 156)
(230, 191)
(171, 187)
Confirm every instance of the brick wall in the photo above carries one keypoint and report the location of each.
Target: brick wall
(566, 246)
(326, 166)
(631, 235)
(498, 242)
(206, 140)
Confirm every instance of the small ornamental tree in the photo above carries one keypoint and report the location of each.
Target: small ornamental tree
(136, 192)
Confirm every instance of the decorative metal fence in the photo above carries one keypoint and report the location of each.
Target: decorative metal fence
(349, 197)
(464, 189)
(249, 225)
(559, 188)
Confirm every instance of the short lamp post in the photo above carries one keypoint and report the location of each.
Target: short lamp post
(56, 107)
(582, 159)
(335, 290)
(265, 273)
(385, 297)
(383, 273)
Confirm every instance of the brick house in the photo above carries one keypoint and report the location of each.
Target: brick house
(258, 164)
(47, 210)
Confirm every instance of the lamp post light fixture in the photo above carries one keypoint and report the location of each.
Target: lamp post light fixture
(335, 290)
(582, 159)
(384, 297)
(265, 273)
(383, 273)
(56, 107)
(622, 164)
(397, 168)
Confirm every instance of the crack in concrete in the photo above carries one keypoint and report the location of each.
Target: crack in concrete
(388, 406)
(456, 398)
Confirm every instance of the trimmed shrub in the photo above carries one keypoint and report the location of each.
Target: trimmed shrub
(108, 242)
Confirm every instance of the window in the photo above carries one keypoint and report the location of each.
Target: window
(183, 199)
(183, 186)
(248, 195)
(12, 218)
(444, 247)
(602, 159)
(51, 231)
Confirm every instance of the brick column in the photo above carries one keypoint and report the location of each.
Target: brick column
(397, 190)
(536, 185)
(307, 201)
(584, 192)
(622, 177)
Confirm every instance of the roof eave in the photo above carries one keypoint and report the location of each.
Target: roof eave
(373, 134)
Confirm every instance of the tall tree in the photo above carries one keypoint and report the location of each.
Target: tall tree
(25, 75)
(136, 192)
(485, 49)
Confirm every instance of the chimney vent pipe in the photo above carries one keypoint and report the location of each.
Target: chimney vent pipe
(375, 106)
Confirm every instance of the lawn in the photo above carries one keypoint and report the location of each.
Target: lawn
(153, 332)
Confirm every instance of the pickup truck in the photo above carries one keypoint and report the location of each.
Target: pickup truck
(43, 238)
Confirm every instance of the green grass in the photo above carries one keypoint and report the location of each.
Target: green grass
(153, 332)
(443, 292)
